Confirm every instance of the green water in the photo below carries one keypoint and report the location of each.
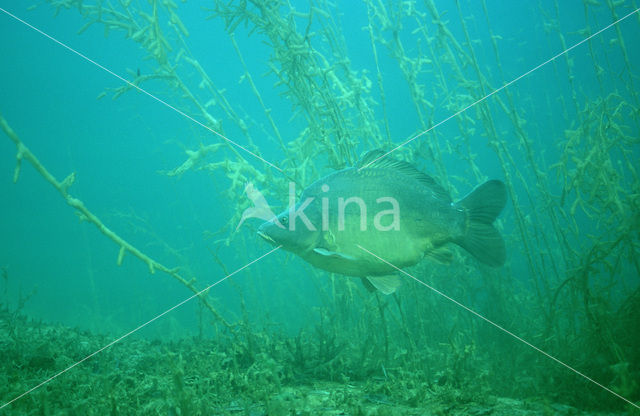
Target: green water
(102, 309)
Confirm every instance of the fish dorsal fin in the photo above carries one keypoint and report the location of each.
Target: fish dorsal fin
(374, 159)
(372, 156)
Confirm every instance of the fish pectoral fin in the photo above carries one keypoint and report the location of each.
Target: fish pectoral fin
(334, 254)
(441, 255)
(385, 284)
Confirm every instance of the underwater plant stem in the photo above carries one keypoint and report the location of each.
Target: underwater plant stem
(383, 323)
(542, 183)
(499, 147)
(570, 75)
(267, 111)
(383, 101)
(596, 67)
(501, 328)
(86, 215)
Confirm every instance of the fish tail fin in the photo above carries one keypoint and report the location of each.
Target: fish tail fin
(480, 237)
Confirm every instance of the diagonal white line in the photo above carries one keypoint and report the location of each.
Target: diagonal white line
(138, 328)
(182, 113)
(506, 331)
(499, 89)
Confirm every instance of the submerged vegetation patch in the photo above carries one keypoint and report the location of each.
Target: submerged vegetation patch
(195, 376)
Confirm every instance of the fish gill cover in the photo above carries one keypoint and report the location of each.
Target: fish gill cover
(218, 110)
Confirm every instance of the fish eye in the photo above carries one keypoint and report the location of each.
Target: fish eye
(284, 220)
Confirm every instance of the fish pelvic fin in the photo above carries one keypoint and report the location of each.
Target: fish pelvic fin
(441, 255)
(480, 237)
(384, 284)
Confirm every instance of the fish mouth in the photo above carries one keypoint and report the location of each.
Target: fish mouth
(267, 238)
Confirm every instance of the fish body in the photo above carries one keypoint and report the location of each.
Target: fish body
(392, 210)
